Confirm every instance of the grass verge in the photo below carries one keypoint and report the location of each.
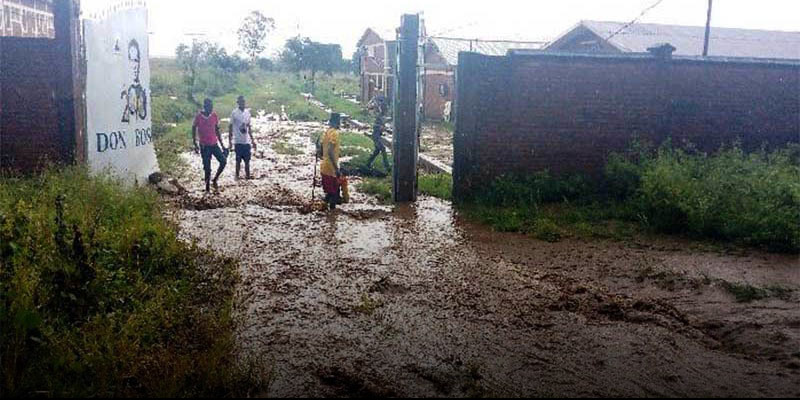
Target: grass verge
(732, 196)
(99, 298)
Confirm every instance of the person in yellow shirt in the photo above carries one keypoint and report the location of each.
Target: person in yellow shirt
(329, 167)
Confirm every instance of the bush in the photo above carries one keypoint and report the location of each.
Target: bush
(750, 198)
(99, 298)
(753, 198)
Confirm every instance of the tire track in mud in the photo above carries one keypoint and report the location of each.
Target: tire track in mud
(411, 301)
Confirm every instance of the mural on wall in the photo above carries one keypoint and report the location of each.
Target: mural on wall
(119, 121)
(135, 95)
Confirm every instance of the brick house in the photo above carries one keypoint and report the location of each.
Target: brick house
(377, 65)
(618, 38)
(438, 75)
(27, 18)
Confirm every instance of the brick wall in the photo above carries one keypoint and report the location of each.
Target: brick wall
(29, 128)
(525, 113)
(433, 100)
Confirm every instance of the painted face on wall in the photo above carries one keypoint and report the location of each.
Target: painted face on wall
(135, 58)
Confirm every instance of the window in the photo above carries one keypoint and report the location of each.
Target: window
(444, 90)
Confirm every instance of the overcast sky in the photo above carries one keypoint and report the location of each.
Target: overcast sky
(343, 21)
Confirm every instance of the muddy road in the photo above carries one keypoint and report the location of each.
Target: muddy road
(414, 301)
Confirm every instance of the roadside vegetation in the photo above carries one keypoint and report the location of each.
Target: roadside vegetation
(732, 196)
(99, 298)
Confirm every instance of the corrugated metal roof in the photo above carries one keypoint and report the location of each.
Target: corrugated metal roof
(449, 48)
(724, 42)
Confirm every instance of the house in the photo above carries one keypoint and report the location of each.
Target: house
(27, 18)
(438, 75)
(617, 37)
(377, 66)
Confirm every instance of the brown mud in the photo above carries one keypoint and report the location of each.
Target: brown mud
(414, 301)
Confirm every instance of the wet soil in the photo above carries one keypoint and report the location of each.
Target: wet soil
(437, 142)
(414, 301)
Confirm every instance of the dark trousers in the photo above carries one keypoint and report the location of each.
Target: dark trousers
(379, 149)
(206, 152)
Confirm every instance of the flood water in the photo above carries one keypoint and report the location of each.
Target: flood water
(414, 301)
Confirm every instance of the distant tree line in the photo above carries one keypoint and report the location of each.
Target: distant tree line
(300, 54)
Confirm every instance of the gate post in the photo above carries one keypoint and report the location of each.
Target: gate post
(406, 142)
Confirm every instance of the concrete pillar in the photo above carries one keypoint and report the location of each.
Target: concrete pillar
(406, 140)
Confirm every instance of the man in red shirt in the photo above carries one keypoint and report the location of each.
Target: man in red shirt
(207, 124)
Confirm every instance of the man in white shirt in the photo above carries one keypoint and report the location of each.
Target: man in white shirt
(240, 137)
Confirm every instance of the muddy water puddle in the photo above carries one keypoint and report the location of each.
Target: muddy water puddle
(412, 301)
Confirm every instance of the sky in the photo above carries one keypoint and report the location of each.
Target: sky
(344, 21)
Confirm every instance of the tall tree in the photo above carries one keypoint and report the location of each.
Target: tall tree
(253, 34)
(190, 58)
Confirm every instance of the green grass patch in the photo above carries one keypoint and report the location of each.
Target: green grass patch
(437, 185)
(381, 188)
(98, 297)
(732, 196)
(286, 148)
(745, 293)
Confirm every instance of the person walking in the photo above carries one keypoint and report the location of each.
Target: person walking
(240, 137)
(206, 124)
(380, 148)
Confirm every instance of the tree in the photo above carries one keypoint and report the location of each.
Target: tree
(303, 54)
(190, 58)
(292, 56)
(253, 34)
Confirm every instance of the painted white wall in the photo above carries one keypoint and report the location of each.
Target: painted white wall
(119, 110)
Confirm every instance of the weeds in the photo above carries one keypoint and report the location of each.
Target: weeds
(752, 199)
(745, 293)
(286, 148)
(380, 188)
(437, 185)
(98, 297)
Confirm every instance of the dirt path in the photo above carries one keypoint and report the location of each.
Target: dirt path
(412, 301)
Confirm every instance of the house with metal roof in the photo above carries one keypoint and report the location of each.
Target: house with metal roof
(618, 37)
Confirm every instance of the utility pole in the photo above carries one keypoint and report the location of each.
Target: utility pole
(405, 143)
(708, 29)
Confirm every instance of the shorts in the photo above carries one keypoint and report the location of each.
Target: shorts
(206, 152)
(330, 184)
(243, 152)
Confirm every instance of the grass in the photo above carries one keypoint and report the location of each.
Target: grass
(99, 298)
(437, 185)
(381, 188)
(751, 199)
(732, 196)
(286, 148)
(745, 293)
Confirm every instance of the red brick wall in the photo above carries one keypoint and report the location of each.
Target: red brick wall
(521, 114)
(29, 129)
(433, 100)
